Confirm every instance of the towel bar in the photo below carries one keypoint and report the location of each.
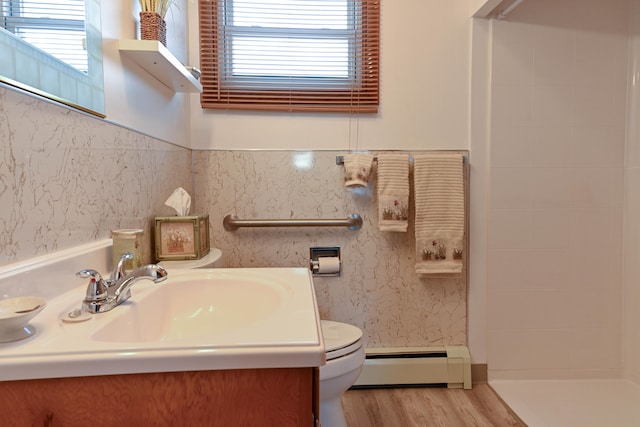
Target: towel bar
(352, 222)
(340, 159)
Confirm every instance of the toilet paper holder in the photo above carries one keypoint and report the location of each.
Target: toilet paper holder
(324, 252)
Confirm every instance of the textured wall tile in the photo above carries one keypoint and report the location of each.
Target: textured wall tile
(67, 178)
(378, 289)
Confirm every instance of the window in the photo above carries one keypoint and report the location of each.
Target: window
(56, 27)
(290, 55)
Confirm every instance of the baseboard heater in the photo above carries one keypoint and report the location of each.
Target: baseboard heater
(449, 366)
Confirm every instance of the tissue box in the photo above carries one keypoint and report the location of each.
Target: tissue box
(182, 237)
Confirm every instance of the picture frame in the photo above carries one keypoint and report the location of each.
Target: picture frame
(182, 237)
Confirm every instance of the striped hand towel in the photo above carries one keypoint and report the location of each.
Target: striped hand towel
(439, 216)
(393, 192)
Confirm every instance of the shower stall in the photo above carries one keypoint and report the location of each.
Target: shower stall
(563, 210)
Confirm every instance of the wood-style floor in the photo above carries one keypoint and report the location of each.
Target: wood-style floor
(426, 407)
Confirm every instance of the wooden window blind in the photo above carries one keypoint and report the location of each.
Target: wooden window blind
(56, 27)
(290, 55)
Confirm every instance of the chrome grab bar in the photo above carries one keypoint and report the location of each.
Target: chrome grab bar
(352, 222)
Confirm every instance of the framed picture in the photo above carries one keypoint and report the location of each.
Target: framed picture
(182, 237)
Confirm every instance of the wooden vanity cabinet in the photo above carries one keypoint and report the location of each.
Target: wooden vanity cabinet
(278, 397)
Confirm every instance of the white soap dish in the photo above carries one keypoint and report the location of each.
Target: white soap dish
(15, 314)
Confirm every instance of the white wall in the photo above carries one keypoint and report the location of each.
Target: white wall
(424, 92)
(134, 98)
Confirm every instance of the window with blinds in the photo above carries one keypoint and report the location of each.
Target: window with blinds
(290, 55)
(55, 27)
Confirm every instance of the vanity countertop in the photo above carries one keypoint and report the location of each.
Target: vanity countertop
(208, 319)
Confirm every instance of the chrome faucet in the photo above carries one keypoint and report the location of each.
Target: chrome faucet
(104, 295)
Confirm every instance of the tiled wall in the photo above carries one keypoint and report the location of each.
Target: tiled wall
(68, 178)
(559, 80)
(378, 289)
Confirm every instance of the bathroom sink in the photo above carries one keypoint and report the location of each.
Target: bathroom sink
(203, 319)
(195, 320)
(197, 306)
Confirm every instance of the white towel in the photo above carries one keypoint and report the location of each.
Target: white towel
(393, 192)
(439, 216)
(357, 168)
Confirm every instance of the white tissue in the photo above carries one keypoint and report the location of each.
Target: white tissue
(180, 201)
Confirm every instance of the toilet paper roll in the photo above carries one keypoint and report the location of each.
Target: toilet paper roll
(329, 264)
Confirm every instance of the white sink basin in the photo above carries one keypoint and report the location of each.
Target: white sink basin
(195, 320)
(188, 308)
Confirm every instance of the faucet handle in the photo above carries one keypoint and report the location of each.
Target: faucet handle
(97, 288)
(119, 270)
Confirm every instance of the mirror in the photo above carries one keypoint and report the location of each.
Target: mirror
(76, 84)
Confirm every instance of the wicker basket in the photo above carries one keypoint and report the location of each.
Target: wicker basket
(153, 27)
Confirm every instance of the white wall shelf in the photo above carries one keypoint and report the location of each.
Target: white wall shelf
(156, 59)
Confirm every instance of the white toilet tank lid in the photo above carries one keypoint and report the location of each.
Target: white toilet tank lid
(213, 256)
(339, 335)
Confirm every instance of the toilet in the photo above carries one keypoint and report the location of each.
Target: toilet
(343, 345)
(210, 260)
(345, 357)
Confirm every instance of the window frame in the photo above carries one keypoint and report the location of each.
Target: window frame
(359, 92)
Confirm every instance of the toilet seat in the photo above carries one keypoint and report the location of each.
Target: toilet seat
(340, 338)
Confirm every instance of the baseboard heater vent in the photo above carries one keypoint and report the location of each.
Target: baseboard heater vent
(416, 366)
